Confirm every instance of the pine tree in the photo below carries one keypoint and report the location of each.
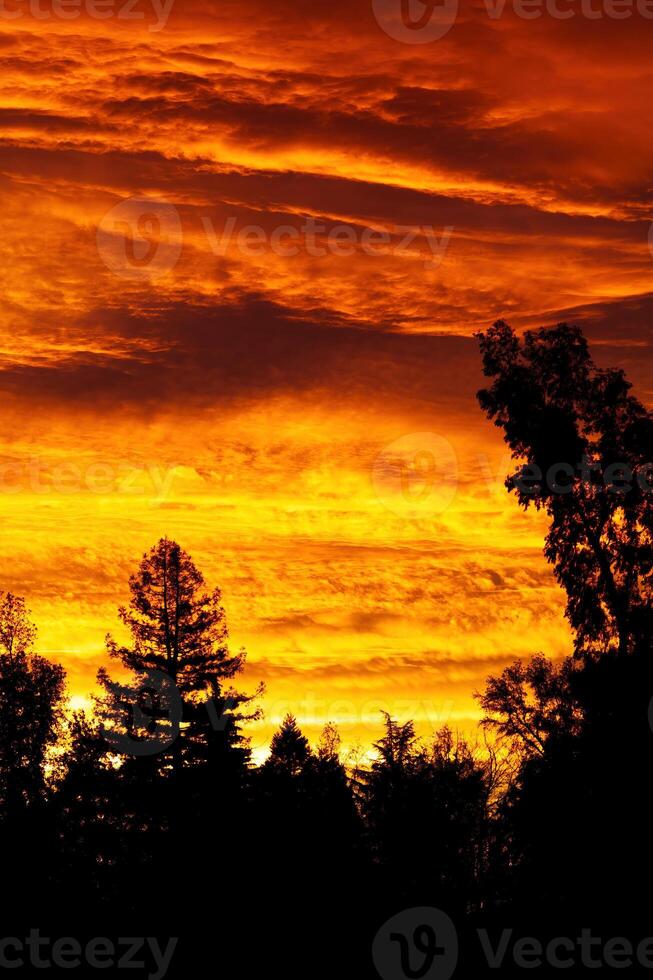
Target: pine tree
(177, 626)
(181, 698)
(289, 749)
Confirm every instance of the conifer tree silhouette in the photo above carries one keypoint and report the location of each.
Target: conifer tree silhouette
(179, 651)
(289, 749)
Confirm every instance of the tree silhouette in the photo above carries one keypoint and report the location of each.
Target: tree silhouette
(31, 699)
(91, 816)
(289, 749)
(579, 731)
(181, 657)
(530, 702)
(426, 810)
(17, 633)
(31, 696)
(309, 835)
(583, 445)
(337, 823)
(183, 779)
(132, 829)
(328, 748)
(177, 626)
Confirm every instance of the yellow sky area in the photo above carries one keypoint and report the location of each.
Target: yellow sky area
(364, 567)
(304, 424)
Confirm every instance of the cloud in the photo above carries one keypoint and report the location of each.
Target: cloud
(243, 397)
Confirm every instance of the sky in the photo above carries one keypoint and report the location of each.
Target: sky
(245, 250)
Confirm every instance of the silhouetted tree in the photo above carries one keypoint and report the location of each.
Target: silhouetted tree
(309, 834)
(17, 633)
(31, 697)
(583, 444)
(530, 702)
(181, 659)
(31, 700)
(90, 820)
(177, 626)
(337, 828)
(289, 749)
(386, 797)
(165, 763)
(426, 810)
(572, 825)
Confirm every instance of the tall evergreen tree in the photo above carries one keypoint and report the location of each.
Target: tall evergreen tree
(182, 698)
(177, 625)
(289, 749)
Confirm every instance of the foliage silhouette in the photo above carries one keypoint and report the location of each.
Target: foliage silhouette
(182, 663)
(573, 840)
(583, 443)
(31, 715)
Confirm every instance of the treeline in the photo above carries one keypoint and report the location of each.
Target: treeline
(151, 811)
(149, 816)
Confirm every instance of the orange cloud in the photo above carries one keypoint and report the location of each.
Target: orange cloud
(169, 365)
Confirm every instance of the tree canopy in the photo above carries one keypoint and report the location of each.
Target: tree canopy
(583, 443)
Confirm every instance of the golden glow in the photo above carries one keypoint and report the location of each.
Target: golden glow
(238, 399)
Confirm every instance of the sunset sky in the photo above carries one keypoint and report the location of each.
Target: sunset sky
(256, 398)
